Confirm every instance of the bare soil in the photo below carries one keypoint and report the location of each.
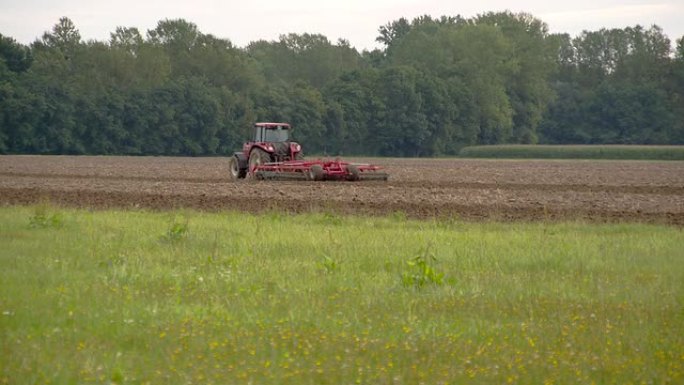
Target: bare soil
(597, 191)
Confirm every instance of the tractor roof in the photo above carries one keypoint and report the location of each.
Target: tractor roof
(272, 125)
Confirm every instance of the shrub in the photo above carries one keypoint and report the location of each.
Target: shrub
(635, 152)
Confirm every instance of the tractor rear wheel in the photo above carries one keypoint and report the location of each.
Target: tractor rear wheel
(235, 171)
(256, 158)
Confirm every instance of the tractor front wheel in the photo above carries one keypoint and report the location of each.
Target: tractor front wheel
(235, 171)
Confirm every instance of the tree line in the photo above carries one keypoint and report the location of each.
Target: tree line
(437, 85)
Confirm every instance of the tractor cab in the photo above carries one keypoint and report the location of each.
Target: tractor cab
(272, 143)
(271, 132)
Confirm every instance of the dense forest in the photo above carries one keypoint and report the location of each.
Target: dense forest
(438, 84)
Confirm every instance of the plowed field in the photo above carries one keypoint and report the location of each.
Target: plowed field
(441, 188)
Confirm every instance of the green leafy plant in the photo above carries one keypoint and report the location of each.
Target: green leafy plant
(177, 231)
(43, 218)
(330, 265)
(399, 216)
(421, 271)
(331, 218)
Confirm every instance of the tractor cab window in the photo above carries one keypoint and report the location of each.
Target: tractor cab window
(258, 134)
(276, 134)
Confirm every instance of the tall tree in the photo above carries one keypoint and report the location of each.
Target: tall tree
(436, 85)
(64, 36)
(533, 60)
(311, 58)
(127, 39)
(16, 57)
(392, 32)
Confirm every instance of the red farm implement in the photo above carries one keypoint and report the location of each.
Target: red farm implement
(271, 155)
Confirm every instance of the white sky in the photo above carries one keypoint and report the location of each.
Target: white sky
(355, 20)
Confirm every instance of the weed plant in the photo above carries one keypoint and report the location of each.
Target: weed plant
(44, 215)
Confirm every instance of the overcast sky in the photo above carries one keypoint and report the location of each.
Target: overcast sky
(355, 20)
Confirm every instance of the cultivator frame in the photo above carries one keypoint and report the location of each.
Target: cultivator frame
(318, 170)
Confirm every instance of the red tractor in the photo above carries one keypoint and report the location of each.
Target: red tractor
(271, 155)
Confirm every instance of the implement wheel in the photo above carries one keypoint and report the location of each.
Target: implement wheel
(316, 173)
(353, 173)
(235, 171)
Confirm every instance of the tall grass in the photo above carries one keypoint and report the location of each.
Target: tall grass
(131, 297)
(636, 152)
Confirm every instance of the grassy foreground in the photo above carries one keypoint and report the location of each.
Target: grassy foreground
(539, 151)
(178, 298)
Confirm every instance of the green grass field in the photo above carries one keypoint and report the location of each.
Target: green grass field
(129, 297)
(537, 151)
